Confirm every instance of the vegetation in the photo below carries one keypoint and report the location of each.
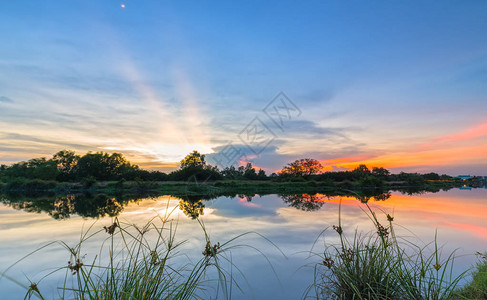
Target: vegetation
(68, 172)
(381, 265)
(139, 263)
(477, 288)
(301, 168)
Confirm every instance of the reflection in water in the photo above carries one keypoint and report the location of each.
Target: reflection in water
(191, 208)
(372, 194)
(97, 206)
(304, 202)
(62, 207)
(291, 221)
(312, 202)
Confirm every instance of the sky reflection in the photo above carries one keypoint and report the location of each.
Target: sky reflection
(458, 215)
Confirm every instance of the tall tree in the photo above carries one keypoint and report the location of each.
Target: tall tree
(194, 159)
(66, 161)
(249, 172)
(361, 171)
(302, 167)
(380, 172)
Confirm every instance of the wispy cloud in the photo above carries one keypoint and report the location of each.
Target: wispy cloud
(6, 99)
(476, 131)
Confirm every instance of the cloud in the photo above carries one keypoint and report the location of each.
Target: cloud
(6, 99)
(36, 140)
(467, 134)
(310, 128)
(317, 96)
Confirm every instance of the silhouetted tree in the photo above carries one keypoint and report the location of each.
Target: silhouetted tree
(103, 166)
(380, 172)
(194, 168)
(194, 159)
(302, 167)
(232, 173)
(249, 172)
(66, 164)
(261, 175)
(431, 176)
(361, 171)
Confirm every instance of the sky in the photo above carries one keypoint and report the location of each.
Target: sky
(392, 84)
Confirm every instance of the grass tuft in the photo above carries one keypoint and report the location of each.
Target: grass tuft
(477, 288)
(380, 265)
(138, 263)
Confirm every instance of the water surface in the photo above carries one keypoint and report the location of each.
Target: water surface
(295, 224)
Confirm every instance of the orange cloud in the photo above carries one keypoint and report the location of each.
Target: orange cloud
(468, 134)
(462, 148)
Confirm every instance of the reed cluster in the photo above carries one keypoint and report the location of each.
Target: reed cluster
(381, 265)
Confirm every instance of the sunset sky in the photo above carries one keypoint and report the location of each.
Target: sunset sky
(390, 84)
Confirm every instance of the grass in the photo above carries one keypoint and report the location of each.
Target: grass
(477, 288)
(142, 263)
(297, 185)
(381, 265)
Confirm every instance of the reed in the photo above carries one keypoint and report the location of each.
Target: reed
(141, 263)
(381, 265)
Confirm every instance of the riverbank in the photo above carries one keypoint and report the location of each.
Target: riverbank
(221, 187)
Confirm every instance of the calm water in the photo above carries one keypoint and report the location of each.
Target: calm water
(291, 223)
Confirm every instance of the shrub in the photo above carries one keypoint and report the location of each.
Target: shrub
(30, 185)
(297, 179)
(371, 181)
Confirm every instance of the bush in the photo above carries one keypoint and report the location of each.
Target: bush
(30, 185)
(16, 184)
(297, 179)
(226, 183)
(371, 181)
(39, 185)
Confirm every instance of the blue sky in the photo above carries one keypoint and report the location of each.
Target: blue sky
(385, 83)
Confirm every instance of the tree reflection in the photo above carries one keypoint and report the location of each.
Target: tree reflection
(98, 206)
(305, 202)
(312, 202)
(63, 207)
(383, 196)
(366, 195)
(247, 198)
(191, 204)
(192, 208)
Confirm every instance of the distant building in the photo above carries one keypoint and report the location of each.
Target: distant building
(463, 177)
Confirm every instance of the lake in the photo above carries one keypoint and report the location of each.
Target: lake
(294, 224)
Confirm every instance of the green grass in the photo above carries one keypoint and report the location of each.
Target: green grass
(297, 185)
(139, 263)
(381, 265)
(142, 263)
(477, 288)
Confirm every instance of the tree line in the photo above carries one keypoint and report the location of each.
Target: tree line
(67, 166)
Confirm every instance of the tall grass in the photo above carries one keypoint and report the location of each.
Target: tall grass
(141, 263)
(477, 288)
(381, 265)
